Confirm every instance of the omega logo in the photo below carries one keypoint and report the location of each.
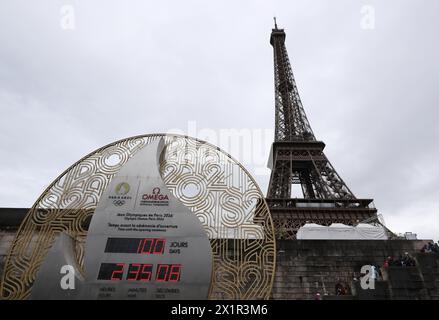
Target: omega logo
(156, 195)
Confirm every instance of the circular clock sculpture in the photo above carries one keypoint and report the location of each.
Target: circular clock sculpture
(148, 217)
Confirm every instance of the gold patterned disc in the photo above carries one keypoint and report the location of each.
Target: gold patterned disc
(217, 188)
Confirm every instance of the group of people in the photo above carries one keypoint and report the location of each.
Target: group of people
(378, 273)
(342, 289)
(402, 261)
(430, 247)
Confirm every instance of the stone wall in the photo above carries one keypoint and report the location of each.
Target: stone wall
(6, 238)
(305, 267)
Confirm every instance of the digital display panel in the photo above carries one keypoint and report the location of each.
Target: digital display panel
(140, 272)
(135, 245)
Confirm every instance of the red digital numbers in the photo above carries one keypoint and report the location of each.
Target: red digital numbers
(151, 246)
(146, 273)
(118, 272)
(168, 273)
(139, 272)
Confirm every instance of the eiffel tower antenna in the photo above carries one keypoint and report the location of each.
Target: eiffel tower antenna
(275, 23)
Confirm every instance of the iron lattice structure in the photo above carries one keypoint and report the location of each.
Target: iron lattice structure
(298, 158)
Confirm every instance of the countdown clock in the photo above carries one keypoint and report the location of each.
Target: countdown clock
(149, 217)
(120, 262)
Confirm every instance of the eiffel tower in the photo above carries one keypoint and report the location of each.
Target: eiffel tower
(298, 163)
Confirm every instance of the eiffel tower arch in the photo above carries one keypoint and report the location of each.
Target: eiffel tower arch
(298, 162)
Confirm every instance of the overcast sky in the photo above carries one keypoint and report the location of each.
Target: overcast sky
(123, 68)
